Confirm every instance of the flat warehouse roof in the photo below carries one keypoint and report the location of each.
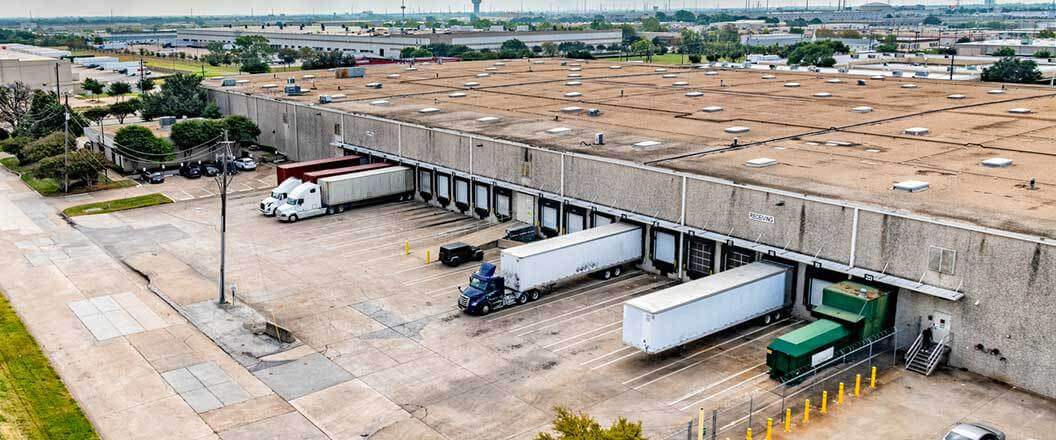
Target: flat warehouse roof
(828, 135)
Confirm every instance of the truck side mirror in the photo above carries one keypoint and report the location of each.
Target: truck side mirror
(459, 289)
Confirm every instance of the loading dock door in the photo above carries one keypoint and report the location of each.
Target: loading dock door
(700, 257)
(817, 286)
(502, 204)
(601, 219)
(549, 218)
(462, 194)
(425, 184)
(443, 189)
(664, 247)
(524, 207)
(481, 199)
(734, 256)
(575, 222)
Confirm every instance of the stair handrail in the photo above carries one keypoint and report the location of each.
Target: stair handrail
(913, 349)
(933, 359)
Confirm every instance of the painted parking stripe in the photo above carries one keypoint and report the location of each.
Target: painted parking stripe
(724, 391)
(572, 293)
(715, 384)
(620, 350)
(589, 306)
(582, 334)
(584, 341)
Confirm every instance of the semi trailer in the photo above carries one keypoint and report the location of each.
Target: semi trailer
(850, 315)
(338, 193)
(689, 311)
(529, 269)
(293, 174)
(314, 176)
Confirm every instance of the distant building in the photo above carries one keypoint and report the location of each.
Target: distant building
(36, 71)
(139, 37)
(876, 7)
(771, 39)
(1026, 47)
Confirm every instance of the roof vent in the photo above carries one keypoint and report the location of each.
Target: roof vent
(862, 109)
(769, 77)
(1019, 110)
(822, 95)
(538, 62)
(840, 143)
(669, 76)
(373, 85)
(491, 69)
(996, 92)
(268, 86)
(379, 102)
(791, 84)
(872, 150)
(908, 86)
(411, 69)
(997, 162)
(761, 162)
(646, 144)
(457, 95)
(615, 67)
(575, 69)
(500, 64)
(711, 109)
(471, 84)
(694, 94)
(575, 65)
(916, 131)
(877, 77)
(393, 76)
(956, 96)
(711, 73)
(679, 84)
(429, 110)
(242, 81)
(574, 83)
(660, 69)
(308, 77)
(483, 75)
(572, 109)
(834, 81)
(574, 75)
(573, 94)
(593, 112)
(737, 129)
(558, 130)
(487, 119)
(911, 186)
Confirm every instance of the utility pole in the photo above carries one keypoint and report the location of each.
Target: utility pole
(66, 150)
(952, 57)
(57, 92)
(222, 181)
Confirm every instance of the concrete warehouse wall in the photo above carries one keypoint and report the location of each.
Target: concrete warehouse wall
(1006, 280)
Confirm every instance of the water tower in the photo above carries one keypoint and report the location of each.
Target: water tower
(476, 7)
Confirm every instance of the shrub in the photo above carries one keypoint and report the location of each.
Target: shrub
(46, 146)
(694, 58)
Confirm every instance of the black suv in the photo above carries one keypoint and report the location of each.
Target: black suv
(454, 254)
(191, 171)
(152, 177)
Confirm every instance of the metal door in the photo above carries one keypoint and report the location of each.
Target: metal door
(443, 186)
(574, 222)
(817, 286)
(549, 217)
(502, 204)
(941, 325)
(664, 247)
(524, 207)
(481, 196)
(461, 191)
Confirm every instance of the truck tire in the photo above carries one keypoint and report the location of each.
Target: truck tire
(329, 211)
(485, 309)
(533, 295)
(768, 318)
(617, 271)
(607, 274)
(522, 299)
(293, 218)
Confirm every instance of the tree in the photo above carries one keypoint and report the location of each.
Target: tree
(145, 85)
(932, 20)
(14, 145)
(581, 426)
(96, 114)
(513, 45)
(1046, 34)
(47, 115)
(217, 54)
(549, 49)
(180, 95)
(241, 130)
(1042, 54)
(651, 24)
(328, 60)
(50, 145)
(1012, 70)
(827, 62)
(119, 88)
(14, 103)
(139, 143)
(211, 112)
(1004, 52)
(287, 55)
(82, 165)
(643, 48)
(685, 16)
(253, 53)
(188, 135)
(122, 109)
(93, 86)
(691, 42)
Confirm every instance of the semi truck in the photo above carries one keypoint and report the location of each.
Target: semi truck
(338, 193)
(689, 311)
(851, 315)
(529, 269)
(291, 175)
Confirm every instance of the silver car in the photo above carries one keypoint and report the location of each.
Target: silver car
(973, 431)
(246, 164)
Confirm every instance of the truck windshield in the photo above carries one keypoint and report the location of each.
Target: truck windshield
(476, 283)
(292, 201)
(277, 195)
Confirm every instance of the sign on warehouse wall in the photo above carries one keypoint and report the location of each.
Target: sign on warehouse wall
(755, 216)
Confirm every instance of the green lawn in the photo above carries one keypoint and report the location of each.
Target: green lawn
(184, 65)
(117, 205)
(46, 186)
(34, 403)
(670, 58)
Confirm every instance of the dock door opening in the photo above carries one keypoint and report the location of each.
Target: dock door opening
(575, 219)
(664, 251)
(601, 219)
(700, 257)
(481, 199)
(461, 194)
(425, 184)
(549, 217)
(443, 189)
(503, 204)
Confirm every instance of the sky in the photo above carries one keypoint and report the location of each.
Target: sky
(52, 8)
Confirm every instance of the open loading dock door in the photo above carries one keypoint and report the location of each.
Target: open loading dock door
(700, 257)
(549, 217)
(462, 194)
(481, 199)
(443, 189)
(601, 219)
(665, 244)
(575, 219)
(425, 184)
(503, 203)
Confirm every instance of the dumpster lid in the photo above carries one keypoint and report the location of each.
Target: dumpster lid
(811, 337)
(825, 311)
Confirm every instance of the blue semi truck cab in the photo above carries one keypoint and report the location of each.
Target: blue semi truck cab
(487, 292)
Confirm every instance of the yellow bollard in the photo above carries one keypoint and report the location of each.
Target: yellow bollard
(872, 378)
(769, 428)
(427, 261)
(406, 248)
(700, 425)
(748, 435)
(824, 402)
(839, 396)
(806, 411)
(857, 385)
(788, 419)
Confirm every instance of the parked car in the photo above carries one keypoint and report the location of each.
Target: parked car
(191, 171)
(454, 254)
(246, 164)
(152, 177)
(209, 169)
(973, 431)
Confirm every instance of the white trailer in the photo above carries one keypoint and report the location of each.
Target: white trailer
(337, 193)
(543, 263)
(684, 313)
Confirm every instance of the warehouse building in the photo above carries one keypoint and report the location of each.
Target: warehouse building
(1022, 47)
(940, 191)
(383, 44)
(36, 71)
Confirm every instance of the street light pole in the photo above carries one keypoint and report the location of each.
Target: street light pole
(222, 181)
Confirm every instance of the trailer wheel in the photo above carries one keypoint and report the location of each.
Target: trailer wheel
(607, 274)
(329, 211)
(616, 271)
(341, 208)
(767, 318)
(293, 218)
(522, 299)
(533, 295)
(485, 309)
(777, 315)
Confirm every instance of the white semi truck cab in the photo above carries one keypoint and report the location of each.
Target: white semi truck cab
(304, 201)
(278, 196)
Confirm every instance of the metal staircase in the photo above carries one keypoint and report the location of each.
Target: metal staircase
(923, 357)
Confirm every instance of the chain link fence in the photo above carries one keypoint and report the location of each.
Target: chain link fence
(732, 417)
